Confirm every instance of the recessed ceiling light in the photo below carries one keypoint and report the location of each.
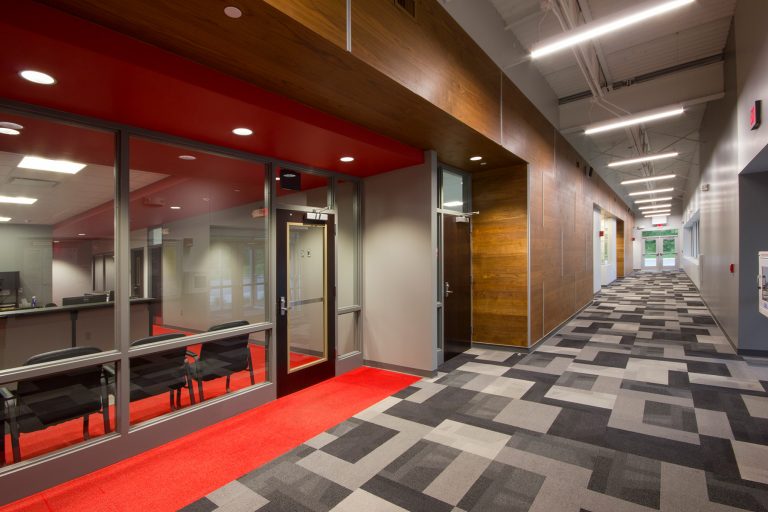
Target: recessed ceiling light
(475, 158)
(175, 207)
(233, 12)
(289, 175)
(55, 241)
(187, 157)
(243, 132)
(12, 126)
(81, 234)
(651, 178)
(648, 192)
(453, 203)
(37, 77)
(598, 28)
(347, 159)
(18, 200)
(44, 164)
(9, 131)
(647, 158)
(668, 198)
(630, 121)
(277, 178)
(4, 219)
(653, 207)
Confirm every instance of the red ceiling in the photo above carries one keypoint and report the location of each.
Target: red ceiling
(107, 75)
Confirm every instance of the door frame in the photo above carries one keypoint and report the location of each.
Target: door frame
(439, 213)
(659, 240)
(286, 380)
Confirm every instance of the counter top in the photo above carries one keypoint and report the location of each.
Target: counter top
(66, 309)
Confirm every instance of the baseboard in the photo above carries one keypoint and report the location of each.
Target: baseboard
(752, 353)
(496, 346)
(717, 322)
(400, 369)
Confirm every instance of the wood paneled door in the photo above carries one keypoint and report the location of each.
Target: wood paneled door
(457, 288)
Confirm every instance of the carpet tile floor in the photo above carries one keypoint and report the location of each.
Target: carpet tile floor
(638, 404)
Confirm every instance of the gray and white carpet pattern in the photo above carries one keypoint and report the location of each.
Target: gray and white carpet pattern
(638, 404)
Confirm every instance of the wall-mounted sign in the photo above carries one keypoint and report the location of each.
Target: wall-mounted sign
(755, 115)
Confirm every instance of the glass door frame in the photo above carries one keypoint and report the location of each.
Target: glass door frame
(659, 256)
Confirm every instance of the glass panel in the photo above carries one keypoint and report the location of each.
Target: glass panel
(605, 242)
(346, 243)
(56, 217)
(160, 382)
(668, 245)
(348, 333)
(650, 262)
(306, 295)
(49, 413)
(454, 192)
(650, 247)
(296, 188)
(198, 237)
(669, 262)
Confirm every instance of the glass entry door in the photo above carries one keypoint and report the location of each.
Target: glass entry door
(660, 253)
(306, 304)
(668, 256)
(650, 254)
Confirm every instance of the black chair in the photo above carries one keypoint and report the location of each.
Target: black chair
(45, 401)
(157, 373)
(221, 358)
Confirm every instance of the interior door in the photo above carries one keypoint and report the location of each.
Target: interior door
(650, 254)
(306, 301)
(457, 291)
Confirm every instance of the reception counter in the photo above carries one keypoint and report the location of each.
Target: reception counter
(27, 332)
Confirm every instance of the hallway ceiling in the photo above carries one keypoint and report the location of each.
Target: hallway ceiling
(673, 59)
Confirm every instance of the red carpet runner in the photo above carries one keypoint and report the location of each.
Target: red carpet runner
(178, 473)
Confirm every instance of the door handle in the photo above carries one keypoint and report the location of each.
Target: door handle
(448, 290)
(284, 307)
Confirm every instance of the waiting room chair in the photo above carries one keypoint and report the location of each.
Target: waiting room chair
(39, 403)
(221, 358)
(157, 373)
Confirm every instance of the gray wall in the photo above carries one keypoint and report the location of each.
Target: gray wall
(28, 249)
(399, 267)
(753, 326)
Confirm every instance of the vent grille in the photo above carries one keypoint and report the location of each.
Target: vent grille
(33, 182)
(408, 6)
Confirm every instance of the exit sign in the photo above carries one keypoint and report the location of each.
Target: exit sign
(754, 115)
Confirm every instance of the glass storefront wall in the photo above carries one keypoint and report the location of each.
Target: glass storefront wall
(189, 267)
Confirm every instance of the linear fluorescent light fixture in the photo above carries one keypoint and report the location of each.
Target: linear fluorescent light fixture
(668, 198)
(5, 219)
(453, 203)
(633, 120)
(609, 24)
(18, 200)
(651, 178)
(44, 164)
(648, 192)
(655, 206)
(654, 212)
(648, 158)
(665, 215)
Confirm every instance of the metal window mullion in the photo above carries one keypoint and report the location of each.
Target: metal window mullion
(62, 365)
(358, 220)
(270, 253)
(122, 280)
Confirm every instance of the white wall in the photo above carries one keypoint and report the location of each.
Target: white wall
(72, 269)
(597, 273)
(27, 249)
(399, 267)
(608, 268)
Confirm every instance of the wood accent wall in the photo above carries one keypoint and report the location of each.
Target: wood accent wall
(422, 81)
(620, 248)
(500, 256)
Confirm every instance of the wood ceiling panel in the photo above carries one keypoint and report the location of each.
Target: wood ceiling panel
(268, 48)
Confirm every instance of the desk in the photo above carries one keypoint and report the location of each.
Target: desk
(26, 332)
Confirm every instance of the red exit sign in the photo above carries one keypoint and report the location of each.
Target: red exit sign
(754, 115)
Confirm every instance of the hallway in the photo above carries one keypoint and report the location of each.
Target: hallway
(640, 403)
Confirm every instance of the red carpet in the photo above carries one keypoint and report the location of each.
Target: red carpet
(182, 471)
